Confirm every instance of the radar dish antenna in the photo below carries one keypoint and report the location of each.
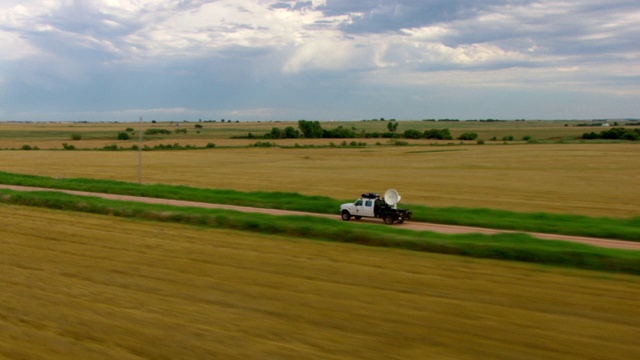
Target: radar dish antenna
(392, 197)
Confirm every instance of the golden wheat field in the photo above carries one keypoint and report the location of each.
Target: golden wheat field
(97, 287)
(558, 175)
(21, 133)
(588, 179)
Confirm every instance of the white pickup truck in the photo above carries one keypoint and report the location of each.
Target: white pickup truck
(371, 205)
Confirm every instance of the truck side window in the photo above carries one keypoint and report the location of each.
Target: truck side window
(359, 203)
(368, 203)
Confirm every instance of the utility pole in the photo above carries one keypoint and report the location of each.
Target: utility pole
(140, 152)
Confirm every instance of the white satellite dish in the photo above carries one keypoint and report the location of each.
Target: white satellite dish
(392, 197)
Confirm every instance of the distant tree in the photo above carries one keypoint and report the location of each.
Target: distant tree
(439, 134)
(615, 134)
(468, 136)
(631, 135)
(310, 129)
(276, 133)
(339, 133)
(123, 136)
(412, 134)
(392, 126)
(291, 133)
(157, 131)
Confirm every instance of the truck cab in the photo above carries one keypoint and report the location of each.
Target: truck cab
(365, 206)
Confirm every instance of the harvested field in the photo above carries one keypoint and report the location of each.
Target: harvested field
(48, 135)
(585, 179)
(85, 286)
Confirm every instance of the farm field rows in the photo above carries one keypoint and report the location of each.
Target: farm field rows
(585, 179)
(90, 286)
(17, 133)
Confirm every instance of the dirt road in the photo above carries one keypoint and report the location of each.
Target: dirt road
(418, 226)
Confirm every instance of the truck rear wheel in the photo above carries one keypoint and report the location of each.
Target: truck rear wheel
(346, 215)
(388, 220)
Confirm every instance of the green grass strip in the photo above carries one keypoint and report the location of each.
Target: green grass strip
(514, 247)
(601, 227)
(273, 200)
(598, 227)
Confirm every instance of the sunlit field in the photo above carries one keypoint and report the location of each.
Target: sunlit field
(90, 286)
(559, 174)
(588, 179)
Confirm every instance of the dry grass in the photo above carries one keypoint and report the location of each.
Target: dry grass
(100, 287)
(588, 179)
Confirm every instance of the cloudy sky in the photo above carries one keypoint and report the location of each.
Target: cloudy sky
(116, 60)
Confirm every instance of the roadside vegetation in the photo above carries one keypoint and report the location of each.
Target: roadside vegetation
(514, 247)
(614, 228)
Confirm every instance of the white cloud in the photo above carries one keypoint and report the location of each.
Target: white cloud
(427, 33)
(14, 47)
(328, 54)
(213, 27)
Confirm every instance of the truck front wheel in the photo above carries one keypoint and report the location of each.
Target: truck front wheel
(388, 220)
(346, 215)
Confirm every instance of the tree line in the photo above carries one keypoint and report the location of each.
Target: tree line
(313, 130)
(616, 133)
